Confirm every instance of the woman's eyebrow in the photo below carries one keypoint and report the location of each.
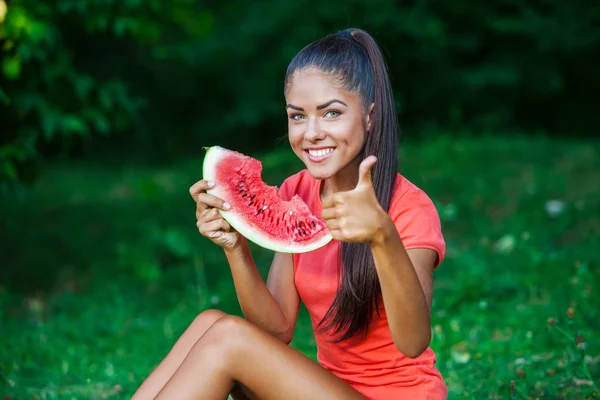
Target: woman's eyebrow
(293, 107)
(330, 102)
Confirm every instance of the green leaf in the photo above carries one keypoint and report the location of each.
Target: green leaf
(121, 26)
(83, 85)
(50, 122)
(73, 124)
(105, 98)
(102, 125)
(11, 67)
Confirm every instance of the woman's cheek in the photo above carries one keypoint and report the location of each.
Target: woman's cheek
(294, 133)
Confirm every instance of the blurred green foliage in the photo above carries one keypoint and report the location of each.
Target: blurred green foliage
(132, 78)
(103, 266)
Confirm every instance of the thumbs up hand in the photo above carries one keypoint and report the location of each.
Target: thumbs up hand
(356, 215)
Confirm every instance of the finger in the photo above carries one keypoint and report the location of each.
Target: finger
(211, 215)
(208, 200)
(336, 234)
(332, 224)
(329, 213)
(332, 201)
(327, 203)
(200, 186)
(225, 225)
(364, 172)
(212, 229)
(201, 210)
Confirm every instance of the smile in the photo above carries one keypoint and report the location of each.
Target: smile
(320, 154)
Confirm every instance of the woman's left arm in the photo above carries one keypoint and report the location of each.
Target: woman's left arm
(405, 278)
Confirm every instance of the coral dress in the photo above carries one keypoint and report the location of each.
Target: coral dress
(373, 366)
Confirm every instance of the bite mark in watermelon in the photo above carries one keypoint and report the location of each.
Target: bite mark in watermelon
(257, 212)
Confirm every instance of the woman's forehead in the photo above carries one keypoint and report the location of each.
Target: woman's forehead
(317, 85)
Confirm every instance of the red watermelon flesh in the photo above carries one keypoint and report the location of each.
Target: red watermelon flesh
(257, 212)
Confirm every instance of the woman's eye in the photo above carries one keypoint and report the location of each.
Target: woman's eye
(296, 116)
(332, 113)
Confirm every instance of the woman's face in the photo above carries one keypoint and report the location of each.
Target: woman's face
(326, 123)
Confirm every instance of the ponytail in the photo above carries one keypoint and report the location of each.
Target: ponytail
(383, 135)
(354, 56)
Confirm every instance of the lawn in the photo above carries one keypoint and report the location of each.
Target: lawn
(103, 267)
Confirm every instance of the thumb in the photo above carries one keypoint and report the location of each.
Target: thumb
(364, 172)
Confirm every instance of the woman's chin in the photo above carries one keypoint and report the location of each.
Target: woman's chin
(319, 172)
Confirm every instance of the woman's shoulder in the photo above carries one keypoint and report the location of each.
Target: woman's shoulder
(407, 194)
(416, 218)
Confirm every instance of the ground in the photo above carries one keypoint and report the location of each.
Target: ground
(103, 268)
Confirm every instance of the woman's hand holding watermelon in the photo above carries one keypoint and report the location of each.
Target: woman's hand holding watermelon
(356, 215)
(210, 222)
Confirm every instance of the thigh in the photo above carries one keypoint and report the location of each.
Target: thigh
(268, 368)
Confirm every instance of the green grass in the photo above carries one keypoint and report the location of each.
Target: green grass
(103, 268)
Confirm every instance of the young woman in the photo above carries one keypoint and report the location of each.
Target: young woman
(368, 291)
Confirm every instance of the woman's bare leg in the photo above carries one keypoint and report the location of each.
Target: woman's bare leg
(235, 351)
(167, 367)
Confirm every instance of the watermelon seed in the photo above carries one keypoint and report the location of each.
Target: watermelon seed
(300, 223)
(303, 232)
(312, 223)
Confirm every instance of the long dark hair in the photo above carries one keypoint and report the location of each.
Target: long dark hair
(353, 57)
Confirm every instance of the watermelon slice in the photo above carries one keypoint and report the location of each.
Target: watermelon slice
(257, 212)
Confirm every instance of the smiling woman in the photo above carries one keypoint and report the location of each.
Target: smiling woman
(368, 291)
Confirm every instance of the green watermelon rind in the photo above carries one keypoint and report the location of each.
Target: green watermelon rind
(211, 160)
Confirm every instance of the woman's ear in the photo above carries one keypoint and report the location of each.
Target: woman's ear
(370, 116)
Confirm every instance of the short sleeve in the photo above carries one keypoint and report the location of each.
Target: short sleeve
(285, 191)
(418, 222)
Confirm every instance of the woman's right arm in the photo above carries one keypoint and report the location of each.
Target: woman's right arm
(274, 306)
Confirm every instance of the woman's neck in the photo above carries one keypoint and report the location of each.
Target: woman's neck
(343, 181)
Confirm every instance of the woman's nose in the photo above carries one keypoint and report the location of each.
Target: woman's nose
(313, 131)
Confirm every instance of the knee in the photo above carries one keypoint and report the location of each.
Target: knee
(229, 327)
(205, 320)
(209, 317)
(226, 335)
(223, 344)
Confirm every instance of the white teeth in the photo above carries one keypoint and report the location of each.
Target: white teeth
(321, 152)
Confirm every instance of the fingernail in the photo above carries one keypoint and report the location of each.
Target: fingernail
(210, 183)
(226, 206)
